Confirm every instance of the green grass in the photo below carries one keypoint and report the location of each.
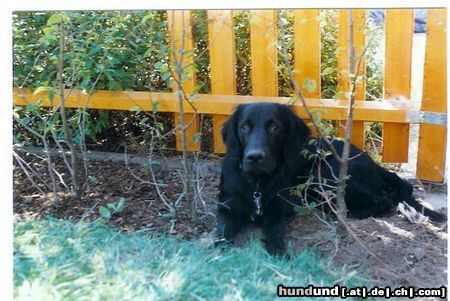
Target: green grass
(59, 260)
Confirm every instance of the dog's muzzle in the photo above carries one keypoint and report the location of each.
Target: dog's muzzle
(257, 162)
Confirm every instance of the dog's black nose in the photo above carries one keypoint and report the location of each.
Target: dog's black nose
(255, 156)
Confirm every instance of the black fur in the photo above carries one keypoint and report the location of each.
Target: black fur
(264, 143)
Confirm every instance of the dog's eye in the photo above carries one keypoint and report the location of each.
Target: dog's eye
(273, 128)
(245, 128)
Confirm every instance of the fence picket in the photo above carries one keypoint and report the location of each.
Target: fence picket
(397, 80)
(180, 37)
(222, 60)
(359, 42)
(263, 45)
(432, 138)
(307, 49)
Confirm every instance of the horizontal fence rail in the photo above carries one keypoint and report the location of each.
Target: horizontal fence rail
(394, 112)
(382, 111)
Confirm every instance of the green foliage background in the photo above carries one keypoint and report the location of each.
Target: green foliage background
(120, 48)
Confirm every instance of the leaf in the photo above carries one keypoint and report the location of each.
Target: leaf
(148, 52)
(197, 137)
(165, 76)
(105, 213)
(316, 116)
(77, 139)
(160, 126)
(49, 31)
(30, 107)
(16, 112)
(25, 120)
(136, 109)
(348, 95)
(57, 18)
(147, 17)
(326, 153)
(120, 205)
(293, 100)
(92, 179)
(309, 84)
(51, 94)
(41, 89)
(158, 65)
(327, 71)
(302, 210)
(143, 121)
(155, 106)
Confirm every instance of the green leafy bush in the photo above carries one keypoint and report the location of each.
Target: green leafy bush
(329, 52)
(112, 50)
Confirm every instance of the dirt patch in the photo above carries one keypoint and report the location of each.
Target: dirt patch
(112, 181)
(405, 253)
(408, 254)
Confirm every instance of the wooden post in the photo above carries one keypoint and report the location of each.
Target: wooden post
(222, 60)
(307, 53)
(432, 138)
(263, 45)
(180, 37)
(307, 49)
(397, 79)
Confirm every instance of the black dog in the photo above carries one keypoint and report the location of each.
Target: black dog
(269, 151)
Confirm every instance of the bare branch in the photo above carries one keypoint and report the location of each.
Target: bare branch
(66, 127)
(27, 173)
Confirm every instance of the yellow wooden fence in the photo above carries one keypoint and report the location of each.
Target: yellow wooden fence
(394, 115)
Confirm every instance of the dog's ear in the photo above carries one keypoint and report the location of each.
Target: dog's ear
(230, 133)
(297, 133)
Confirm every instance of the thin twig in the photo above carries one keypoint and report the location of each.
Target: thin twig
(27, 174)
(17, 157)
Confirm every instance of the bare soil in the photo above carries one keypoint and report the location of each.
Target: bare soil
(390, 250)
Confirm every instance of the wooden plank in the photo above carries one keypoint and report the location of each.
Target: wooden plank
(307, 49)
(222, 60)
(382, 111)
(397, 79)
(263, 45)
(344, 80)
(180, 37)
(343, 53)
(432, 138)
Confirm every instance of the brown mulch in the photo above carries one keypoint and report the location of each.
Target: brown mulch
(406, 253)
(402, 252)
(112, 181)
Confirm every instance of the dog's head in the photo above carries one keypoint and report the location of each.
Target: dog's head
(263, 136)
